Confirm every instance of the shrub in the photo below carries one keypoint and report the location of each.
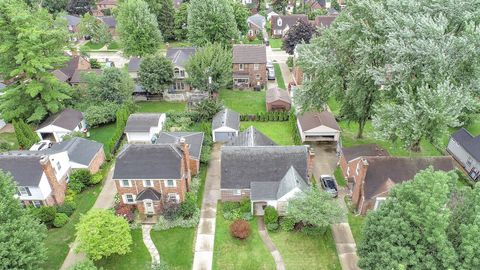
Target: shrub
(67, 208)
(271, 215)
(247, 216)
(189, 205)
(272, 227)
(94, 63)
(160, 266)
(75, 186)
(126, 211)
(240, 229)
(287, 224)
(46, 214)
(290, 61)
(245, 206)
(170, 210)
(101, 114)
(230, 206)
(82, 175)
(70, 196)
(165, 224)
(60, 220)
(85, 265)
(96, 178)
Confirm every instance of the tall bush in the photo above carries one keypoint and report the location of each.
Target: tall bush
(240, 229)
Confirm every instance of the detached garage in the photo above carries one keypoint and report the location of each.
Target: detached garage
(318, 127)
(225, 125)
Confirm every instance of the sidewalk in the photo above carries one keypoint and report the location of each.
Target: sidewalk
(205, 239)
(277, 257)
(104, 201)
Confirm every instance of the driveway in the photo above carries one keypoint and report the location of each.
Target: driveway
(277, 55)
(205, 239)
(325, 160)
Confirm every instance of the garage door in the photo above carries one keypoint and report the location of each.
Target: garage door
(224, 136)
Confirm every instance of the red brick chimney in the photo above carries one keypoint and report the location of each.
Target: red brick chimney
(310, 161)
(58, 187)
(359, 178)
(184, 147)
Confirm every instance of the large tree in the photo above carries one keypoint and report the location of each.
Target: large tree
(213, 61)
(299, 33)
(95, 29)
(279, 6)
(100, 233)
(241, 14)
(32, 45)
(211, 21)
(80, 7)
(156, 73)
(113, 85)
(164, 12)
(21, 236)
(426, 223)
(180, 22)
(137, 28)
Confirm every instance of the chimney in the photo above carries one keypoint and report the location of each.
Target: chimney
(310, 161)
(58, 188)
(184, 147)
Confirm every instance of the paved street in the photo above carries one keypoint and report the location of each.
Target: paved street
(205, 239)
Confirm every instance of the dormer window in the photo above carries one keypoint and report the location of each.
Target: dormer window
(279, 22)
(176, 72)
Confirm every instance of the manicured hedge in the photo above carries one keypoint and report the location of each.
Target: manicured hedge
(266, 116)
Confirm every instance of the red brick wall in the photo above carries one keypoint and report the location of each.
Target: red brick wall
(58, 186)
(278, 105)
(357, 192)
(158, 185)
(194, 166)
(343, 166)
(249, 68)
(228, 195)
(97, 161)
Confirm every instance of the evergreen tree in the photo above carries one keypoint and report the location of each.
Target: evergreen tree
(180, 22)
(164, 12)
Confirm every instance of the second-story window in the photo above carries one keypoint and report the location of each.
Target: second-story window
(59, 166)
(24, 191)
(125, 183)
(256, 66)
(170, 183)
(147, 183)
(176, 72)
(240, 67)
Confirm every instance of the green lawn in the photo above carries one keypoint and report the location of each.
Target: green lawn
(276, 43)
(10, 139)
(175, 247)
(160, 106)
(279, 132)
(334, 106)
(202, 175)
(58, 239)
(300, 251)
(356, 225)
(231, 253)
(137, 258)
(244, 101)
(255, 41)
(103, 134)
(114, 45)
(279, 76)
(339, 177)
(90, 46)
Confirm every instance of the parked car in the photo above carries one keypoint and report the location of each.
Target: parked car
(329, 185)
(269, 64)
(41, 145)
(271, 74)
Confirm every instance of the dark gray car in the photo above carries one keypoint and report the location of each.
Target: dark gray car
(329, 185)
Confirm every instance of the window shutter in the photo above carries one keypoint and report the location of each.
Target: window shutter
(28, 191)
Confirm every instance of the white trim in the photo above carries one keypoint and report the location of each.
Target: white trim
(148, 201)
(145, 181)
(174, 183)
(124, 197)
(378, 201)
(171, 195)
(129, 183)
(237, 192)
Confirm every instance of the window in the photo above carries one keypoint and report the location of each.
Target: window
(37, 204)
(176, 72)
(147, 183)
(279, 22)
(182, 73)
(258, 76)
(250, 32)
(171, 183)
(241, 80)
(248, 1)
(179, 86)
(80, 126)
(129, 198)
(378, 202)
(237, 192)
(24, 191)
(240, 67)
(172, 197)
(125, 183)
(59, 167)
(469, 161)
(256, 66)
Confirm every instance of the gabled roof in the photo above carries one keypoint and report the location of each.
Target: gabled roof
(134, 64)
(251, 137)
(180, 55)
(310, 120)
(77, 75)
(364, 150)
(257, 20)
(148, 161)
(325, 20)
(275, 93)
(72, 20)
(193, 139)
(142, 122)
(240, 165)
(226, 118)
(80, 150)
(468, 142)
(287, 20)
(67, 119)
(71, 66)
(315, 4)
(107, 2)
(109, 21)
(249, 54)
(60, 75)
(149, 194)
(25, 169)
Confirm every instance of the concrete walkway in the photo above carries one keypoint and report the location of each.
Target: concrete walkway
(270, 245)
(147, 240)
(205, 239)
(104, 200)
(287, 75)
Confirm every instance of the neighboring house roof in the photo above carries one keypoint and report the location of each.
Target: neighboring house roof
(180, 56)
(25, 169)
(138, 89)
(107, 2)
(149, 194)
(73, 20)
(60, 75)
(310, 120)
(332, 11)
(275, 94)
(249, 54)
(278, 189)
(110, 21)
(142, 122)
(134, 64)
(315, 4)
(148, 161)
(382, 170)
(226, 118)
(468, 142)
(242, 165)
(80, 150)
(324, 20)
(71, 66)
(364, 150)
(257, 20)
(67, 119)
(287, 20)
(251, 137)
(77, 75)
(193, 139)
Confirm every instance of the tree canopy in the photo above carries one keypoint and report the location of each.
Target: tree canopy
(80, 7)
(299, 33)
(279, 6)
(95, 29)
(164, 12)
(21, 235)
(241, 14)
(113, 85)
(180, 22)
(156, 73)
(138, 28)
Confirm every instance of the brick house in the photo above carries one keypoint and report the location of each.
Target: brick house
(249, 65)
(104, 7)
(350, 154)
(256, 25)
(75, 63)
(280, 24)
(149, 176)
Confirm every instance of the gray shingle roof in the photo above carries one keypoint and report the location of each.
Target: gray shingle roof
(242, 165)
(468, 142)
(193, 139)
(110, 21)
(365, 150)
(80, 150)
(142, 122)
(152, 161)
(275, 93)
(278, 189)
(180, 55)
(149, 194)
(25, 169)
(226, 118)
(257, 19)
(249, 54)
(251, 137)
(77, 75)
(67, 119)
(325, 20)
(311, 120)
(72, 20)
(289, 20)
(134, 64)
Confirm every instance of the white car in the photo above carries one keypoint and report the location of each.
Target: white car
(41, 145)
(269, 64)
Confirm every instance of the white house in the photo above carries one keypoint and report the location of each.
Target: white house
(143, 127)
(225, 125)
(60, 124)
(318, 127)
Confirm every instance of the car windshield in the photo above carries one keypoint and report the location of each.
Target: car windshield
(329, 183)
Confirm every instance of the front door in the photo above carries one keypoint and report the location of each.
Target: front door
(149, 209)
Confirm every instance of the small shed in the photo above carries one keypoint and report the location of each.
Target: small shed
(225, 125)
(142, 127)
(277, 100)
(60, 124)
(318, 127)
